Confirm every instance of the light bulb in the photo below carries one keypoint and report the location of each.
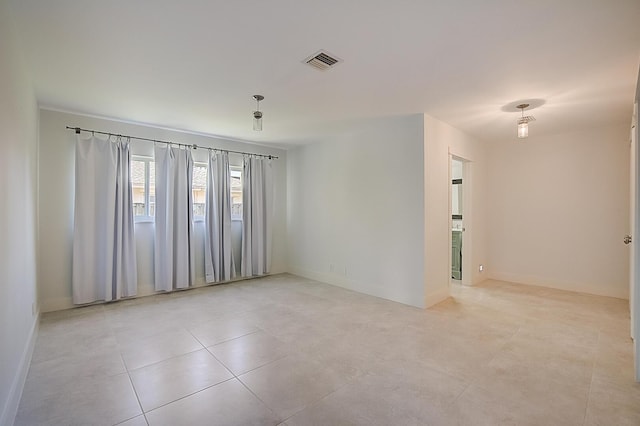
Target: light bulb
(257, 121)
(523, 130)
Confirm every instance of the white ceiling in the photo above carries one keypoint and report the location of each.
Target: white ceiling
(195, 64)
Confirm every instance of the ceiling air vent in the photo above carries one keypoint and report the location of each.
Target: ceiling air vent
(322, 60)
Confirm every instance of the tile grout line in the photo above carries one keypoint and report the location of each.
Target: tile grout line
(186, 396)
(317, 402)
(226, 340)
(260, 399)
(161, 361)
(593, 369)
(135, 392)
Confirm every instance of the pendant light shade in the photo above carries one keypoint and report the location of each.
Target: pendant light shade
(523, 129)
(257, 114)
(523, 122)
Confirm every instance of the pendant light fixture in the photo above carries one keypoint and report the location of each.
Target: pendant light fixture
(523, 122)
(257, 115)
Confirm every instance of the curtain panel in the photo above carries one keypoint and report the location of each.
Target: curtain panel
(174, 241)
(104, 251)
(257, 213)
(219, 262)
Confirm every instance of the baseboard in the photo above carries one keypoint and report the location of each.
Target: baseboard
(436, 297)
(10, 410)
(62, 303)
(313, 275)
(349, 284)
(57, 304)
(558, 284)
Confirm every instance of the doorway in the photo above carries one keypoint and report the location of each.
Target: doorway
(457, 205)
(459, 219)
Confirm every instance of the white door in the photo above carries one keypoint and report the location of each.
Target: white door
(634, 255)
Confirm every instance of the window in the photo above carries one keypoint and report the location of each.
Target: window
(199, 189)
(236, 194)
(143, 177)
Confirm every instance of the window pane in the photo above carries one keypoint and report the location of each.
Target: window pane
(199, 188)
(152, 188)
(236, 194)
(137, 186)
(236, 180)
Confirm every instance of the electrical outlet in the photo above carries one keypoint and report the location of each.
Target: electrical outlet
(481, 267)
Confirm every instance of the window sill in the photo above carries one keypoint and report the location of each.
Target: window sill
(143, 219)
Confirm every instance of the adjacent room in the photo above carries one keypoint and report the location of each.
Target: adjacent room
(329, 213)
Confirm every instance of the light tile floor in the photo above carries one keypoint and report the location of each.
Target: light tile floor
(284, 350)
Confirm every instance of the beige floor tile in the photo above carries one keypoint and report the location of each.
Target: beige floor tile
(290, 384)
(248, 352)
(393, 395)
(175, 378)
(531, 392)
(614, 403)
(90, 401)
(158, 347)
(77, 341)
(614, 358)
(494, 354)
(478, 407)
(228, 403)
(48, 377)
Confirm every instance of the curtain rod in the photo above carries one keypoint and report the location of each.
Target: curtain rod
(194, 146)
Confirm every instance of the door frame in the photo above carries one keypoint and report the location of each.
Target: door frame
(467, 215)
(634, 254)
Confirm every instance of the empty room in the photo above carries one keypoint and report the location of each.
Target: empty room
(319, 213)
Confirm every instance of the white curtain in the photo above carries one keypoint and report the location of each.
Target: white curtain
(257, 205)
(219, 263)
(104, 250)
(174, 252)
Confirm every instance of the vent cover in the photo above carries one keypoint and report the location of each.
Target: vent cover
(322, 60)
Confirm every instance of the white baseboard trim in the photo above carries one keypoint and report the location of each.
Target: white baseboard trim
(62, 303)
(318, 276)
(594, 289)
(10, 409)
(57, 304)
(349, 284)
(436, 297)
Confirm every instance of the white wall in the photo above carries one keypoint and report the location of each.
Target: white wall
(355, 209)
(440, 141)
(18, 139)
(57, 174)
(559, 208)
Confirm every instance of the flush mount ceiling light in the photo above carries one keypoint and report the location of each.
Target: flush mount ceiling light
(257, 115)
(523, 122)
